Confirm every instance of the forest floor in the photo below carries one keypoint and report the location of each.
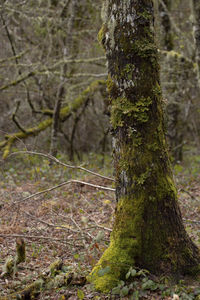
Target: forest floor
(72, 224)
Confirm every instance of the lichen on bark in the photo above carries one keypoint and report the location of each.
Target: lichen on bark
(148, 231)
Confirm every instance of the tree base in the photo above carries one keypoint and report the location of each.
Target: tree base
(116, 261)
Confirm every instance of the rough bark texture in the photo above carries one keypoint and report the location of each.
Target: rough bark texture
(148, 230)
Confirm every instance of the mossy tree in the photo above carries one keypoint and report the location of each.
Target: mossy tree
(148, 230)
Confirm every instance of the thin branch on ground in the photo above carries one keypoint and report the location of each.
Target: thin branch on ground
(62, 184)
(49, 156)
(35, 237)
(79, 228)
(99, 226)
(191, 221)
(49, 224)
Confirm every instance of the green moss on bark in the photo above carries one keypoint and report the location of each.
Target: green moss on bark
(148, 230)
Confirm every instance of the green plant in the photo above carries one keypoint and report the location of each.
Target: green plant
(139, 284)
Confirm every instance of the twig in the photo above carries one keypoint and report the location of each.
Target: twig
(20, 55)
(100, 226)
(14, 117)
(89, 75)
(18, 80)
(81, 231)
(173, 23)
(191, 221)
(49, 224)
(63, 164)
(177, 30)
(187, 192)
(46, 70)
(105, 228)
(35, 237)
(62, 184)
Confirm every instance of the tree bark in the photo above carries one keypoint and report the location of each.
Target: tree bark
(148, 230)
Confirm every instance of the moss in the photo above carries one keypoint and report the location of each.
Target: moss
(111, 87)
(147, 232)
(55, 267)
(20, 251)
(8, 266)
(128, 71)
(123, 107)
(117, 259)
(7, 148)
(145, 15)
(102, 33)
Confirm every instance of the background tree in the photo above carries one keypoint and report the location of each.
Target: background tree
(196, 31)
(148, 230)
(38, 71)
(178, 76)
(43, 69)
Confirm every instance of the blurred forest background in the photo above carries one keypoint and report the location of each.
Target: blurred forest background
(53, 100)
(53, 72)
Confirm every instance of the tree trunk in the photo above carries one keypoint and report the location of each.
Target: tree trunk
(196, 31)
(167, 42)
(148, 230)
(67, 47)
(175, 123)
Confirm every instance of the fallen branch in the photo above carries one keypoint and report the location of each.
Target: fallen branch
(35, 237)
(99, 226)
(49, 224)
(62, 184)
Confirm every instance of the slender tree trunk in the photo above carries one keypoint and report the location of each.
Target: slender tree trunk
(167, 42)
(67, 46)
(196, 31)
(175, 127)
(148, 230)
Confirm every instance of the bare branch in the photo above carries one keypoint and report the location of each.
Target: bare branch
(35, 237)
(65, 113)
(49, 224)
(14, 118)
(62, 184)
(18, 80)
(46, 70)
(15, 57)
(48, 156)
